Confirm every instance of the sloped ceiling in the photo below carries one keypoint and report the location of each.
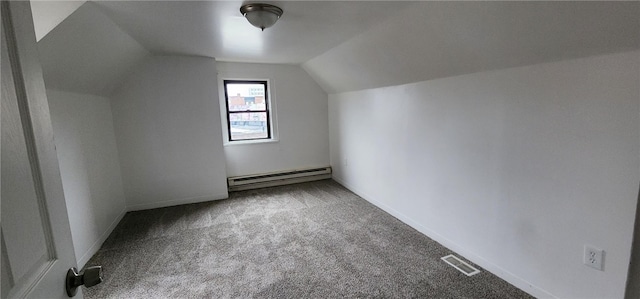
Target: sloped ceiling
(95, 47)
(48, 14)
(88, 53)
(344, 45)
(431, 40)
(217, 29)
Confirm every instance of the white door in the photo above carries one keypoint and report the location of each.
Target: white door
(36, 243)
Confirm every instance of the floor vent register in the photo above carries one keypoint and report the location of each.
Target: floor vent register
(461, 265)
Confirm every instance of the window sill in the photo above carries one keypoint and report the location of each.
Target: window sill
(245, 142)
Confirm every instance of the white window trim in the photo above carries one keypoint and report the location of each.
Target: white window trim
(271, 102)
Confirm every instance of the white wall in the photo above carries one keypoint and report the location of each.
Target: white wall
(301, 115)
(515, 169)
(167, 124)
(86, 147)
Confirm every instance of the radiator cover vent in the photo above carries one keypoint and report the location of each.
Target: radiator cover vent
(271, 179)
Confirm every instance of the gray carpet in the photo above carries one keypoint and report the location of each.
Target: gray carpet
(310, 240)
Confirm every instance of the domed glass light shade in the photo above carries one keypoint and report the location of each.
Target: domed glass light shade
(261, 15)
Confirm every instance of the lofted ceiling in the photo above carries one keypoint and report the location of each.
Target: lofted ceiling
(217, 29)
(443, 39)
(88, 53)
(93, 49)
(344, 45)
(49, 14)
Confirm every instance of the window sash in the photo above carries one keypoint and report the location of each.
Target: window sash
(229, 112)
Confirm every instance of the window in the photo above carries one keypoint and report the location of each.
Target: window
(247, 104)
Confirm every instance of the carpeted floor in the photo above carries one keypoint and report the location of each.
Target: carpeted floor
(310, 240)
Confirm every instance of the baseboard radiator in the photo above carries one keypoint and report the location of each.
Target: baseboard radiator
(271, 179)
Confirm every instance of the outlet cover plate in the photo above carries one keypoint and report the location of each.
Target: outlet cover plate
(594, 257)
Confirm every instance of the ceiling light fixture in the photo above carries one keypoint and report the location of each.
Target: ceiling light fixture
(261, 15)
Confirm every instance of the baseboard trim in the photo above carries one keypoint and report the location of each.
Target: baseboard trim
(98, 243)
(176, 202)
(471, 256)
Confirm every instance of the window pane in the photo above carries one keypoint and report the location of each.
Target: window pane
(248, 125)
(246, 97)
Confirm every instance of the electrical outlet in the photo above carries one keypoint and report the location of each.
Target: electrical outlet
(345, 162)
(594, 257)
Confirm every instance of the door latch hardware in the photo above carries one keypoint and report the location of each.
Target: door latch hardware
(88, 277)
